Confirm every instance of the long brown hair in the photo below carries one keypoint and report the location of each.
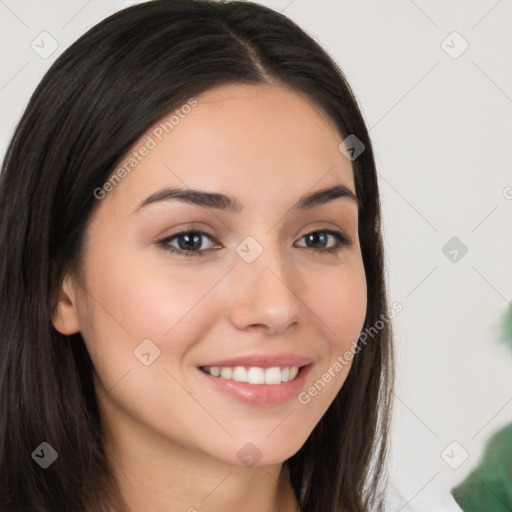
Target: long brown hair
(95, 101)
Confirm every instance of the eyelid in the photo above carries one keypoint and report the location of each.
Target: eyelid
(164, 242)
(343, 240)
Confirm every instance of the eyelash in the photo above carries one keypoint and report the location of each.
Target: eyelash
(341, 238)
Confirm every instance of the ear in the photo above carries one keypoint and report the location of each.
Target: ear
(65, 318)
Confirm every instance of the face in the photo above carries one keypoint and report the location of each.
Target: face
(172, 287)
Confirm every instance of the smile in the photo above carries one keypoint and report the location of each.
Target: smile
(253, 374)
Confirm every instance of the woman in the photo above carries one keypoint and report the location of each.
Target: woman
(194, 313)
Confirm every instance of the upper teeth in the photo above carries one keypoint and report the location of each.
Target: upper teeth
(254, 374)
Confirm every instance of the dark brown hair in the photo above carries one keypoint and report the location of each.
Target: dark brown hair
(96, 100)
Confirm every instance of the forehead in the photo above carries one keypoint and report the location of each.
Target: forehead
(262, 141)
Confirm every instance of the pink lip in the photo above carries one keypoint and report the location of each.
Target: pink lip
(263, 360)
(260, 394)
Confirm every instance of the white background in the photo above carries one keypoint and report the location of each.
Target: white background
(442, 130)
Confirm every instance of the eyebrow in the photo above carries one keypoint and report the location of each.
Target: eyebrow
(227, 203)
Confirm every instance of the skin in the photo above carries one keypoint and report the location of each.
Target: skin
(172, 438)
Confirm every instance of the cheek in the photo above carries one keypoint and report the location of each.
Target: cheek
(339, 299)
(132, 300)
(136, 301)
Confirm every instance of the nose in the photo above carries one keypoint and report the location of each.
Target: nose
(264, 294)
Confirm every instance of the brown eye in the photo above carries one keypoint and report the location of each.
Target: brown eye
(188, 243)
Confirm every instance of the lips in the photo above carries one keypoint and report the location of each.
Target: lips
(258, 394)
(262, 361)
(258, 379)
